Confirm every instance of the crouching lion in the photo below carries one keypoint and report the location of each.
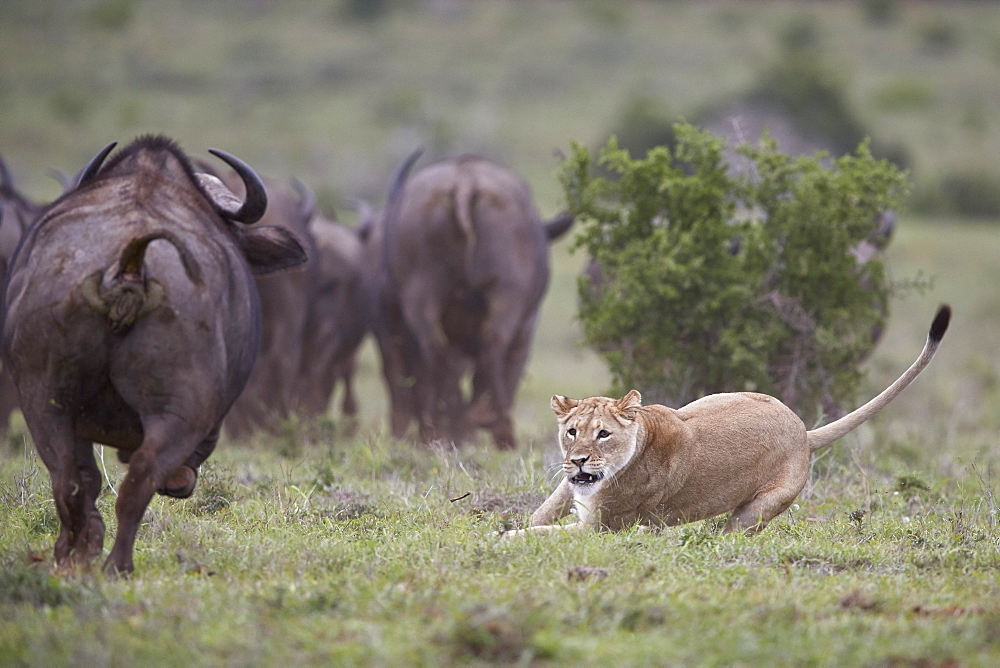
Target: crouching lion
(744, 452)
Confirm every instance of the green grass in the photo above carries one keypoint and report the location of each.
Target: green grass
(364, 552)
(323, 547)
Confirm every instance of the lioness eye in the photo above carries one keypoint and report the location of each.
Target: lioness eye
(604, 433)
(571, 431)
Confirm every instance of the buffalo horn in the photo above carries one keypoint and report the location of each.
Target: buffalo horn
(366, 217)
(5, 179)
(307, 200)
(255, 202)
(64, 179)
(399, 179)
(94, 166)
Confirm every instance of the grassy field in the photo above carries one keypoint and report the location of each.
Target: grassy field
(324, 546)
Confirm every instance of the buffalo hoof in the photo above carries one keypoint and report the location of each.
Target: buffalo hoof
(180, 484)
(503, 435)
(115, 571)
(481, 414)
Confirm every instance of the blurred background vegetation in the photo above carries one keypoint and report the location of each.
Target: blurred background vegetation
(337, 92)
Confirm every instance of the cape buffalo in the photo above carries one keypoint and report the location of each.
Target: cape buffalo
(337, 319)
(462, 259)
(271, 395)
(16, 213)
(131, 319)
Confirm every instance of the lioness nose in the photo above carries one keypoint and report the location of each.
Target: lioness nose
(579, 461)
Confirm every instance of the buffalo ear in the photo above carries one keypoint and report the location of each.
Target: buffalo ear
(269, 248)
(563, 405)
(558, 226)
(366, 219)
(629, 403)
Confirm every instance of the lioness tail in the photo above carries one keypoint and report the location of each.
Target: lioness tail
(824, 436)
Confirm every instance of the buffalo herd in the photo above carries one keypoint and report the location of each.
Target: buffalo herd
(160, 301)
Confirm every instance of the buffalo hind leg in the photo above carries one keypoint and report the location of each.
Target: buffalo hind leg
(513, 369)
(349, 405)
(90, 542)
(498, 371)
(398, 380)
(180, 484)
(76, 483)
(166, 445)
(490, 404)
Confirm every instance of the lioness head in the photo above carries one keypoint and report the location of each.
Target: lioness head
(597, 436)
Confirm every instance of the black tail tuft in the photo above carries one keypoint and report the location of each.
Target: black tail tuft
(940, 324)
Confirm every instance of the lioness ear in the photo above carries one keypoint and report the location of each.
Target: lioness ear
(629, 403)
(563, 405)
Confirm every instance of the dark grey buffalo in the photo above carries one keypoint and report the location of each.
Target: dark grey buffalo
(337, 320)
(272, 393)
(16, 213)
(132, 320)
(462, 266)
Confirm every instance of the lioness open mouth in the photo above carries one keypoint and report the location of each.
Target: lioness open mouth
(584, 478)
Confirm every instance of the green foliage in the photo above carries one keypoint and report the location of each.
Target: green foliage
(715, 282)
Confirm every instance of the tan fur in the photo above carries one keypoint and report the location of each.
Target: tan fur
(627, 464)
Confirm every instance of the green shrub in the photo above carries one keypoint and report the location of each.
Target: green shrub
(713, 282)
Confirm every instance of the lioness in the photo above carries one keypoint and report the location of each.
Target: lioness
(744, 452)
